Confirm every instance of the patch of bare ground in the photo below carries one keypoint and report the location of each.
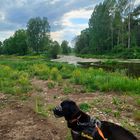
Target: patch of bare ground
(19, 121)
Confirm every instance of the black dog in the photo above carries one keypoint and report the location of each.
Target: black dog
(83, 127)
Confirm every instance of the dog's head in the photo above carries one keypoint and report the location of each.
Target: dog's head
(66, 109)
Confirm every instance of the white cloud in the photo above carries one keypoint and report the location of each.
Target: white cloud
(2, 16)
(137, 2)
(67, 33)
(54, 1)
(5, 34)
(71, 29)
(82, 13)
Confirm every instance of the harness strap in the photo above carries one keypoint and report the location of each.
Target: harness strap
(74, 120)
(100, 132)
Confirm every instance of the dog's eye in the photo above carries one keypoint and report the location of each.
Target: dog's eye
(59, 108)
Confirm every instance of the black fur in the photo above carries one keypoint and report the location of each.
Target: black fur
(69, 110)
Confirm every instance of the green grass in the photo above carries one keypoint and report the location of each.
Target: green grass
(39, 108)
(16, 73)
(98, 79)
(85, 107)
(13, 81)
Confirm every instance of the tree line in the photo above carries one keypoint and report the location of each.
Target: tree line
(114, 27)
(35, 39)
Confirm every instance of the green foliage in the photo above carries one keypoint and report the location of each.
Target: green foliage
(55, 74)
(116, 114)
(85, 107)
(66, 72)
(16, 44)
(103, 81)
(108, 31)
(65, 48)
(77, 76)
(51, 84)
(39, 108)
(38, 33)
(116, 101)
(13, 81)
(67, 89)
(41, 70)
(54, 49)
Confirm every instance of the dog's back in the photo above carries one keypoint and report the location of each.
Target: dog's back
(116, 132)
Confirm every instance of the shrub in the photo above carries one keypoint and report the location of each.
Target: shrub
(13, 81)
(77, 76)
(41, 70)
(55, 75)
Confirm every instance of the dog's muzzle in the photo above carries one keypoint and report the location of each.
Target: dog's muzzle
(58, 111)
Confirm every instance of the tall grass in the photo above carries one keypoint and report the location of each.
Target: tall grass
(15, 75)
(95, 79)
(13, 81)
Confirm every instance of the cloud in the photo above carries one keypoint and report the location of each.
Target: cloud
(71, 23)
(137, 2)
(5, 34)
(66, 17)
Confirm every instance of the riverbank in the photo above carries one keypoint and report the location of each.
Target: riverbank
(130, 66)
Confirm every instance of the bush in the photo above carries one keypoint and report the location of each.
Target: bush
(13, 81)
(40, 70)
(77, 76)
(55, 75)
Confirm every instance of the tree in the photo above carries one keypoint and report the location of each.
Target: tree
(54, 49)
(1, 47)
(65, 48)
(16, 44)
(99, 26)
(38, 33)
(8, 46)
(82, 42)
(20, 40)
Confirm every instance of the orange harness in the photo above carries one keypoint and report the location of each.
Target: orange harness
(87, 136)
(100, 132)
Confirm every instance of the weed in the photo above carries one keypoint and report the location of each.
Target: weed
(51, 84)
(40, 70)
(116, 101)
(107, 110)
(67, 89)
(77, 76)
(116, 114)
(50, 107)
(55, 75)
(39, 108)
(85, 107)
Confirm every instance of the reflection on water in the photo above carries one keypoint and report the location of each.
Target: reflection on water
(132, 69)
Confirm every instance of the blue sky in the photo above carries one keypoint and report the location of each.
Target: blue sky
(66, 17)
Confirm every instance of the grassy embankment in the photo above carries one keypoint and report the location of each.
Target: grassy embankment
(16, 72)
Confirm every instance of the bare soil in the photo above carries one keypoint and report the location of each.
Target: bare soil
(19, 120)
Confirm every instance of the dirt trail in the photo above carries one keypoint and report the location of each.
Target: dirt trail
(19, 121)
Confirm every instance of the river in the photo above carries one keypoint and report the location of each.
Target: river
(130, 66)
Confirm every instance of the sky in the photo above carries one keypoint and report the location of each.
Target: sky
(66, 17)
